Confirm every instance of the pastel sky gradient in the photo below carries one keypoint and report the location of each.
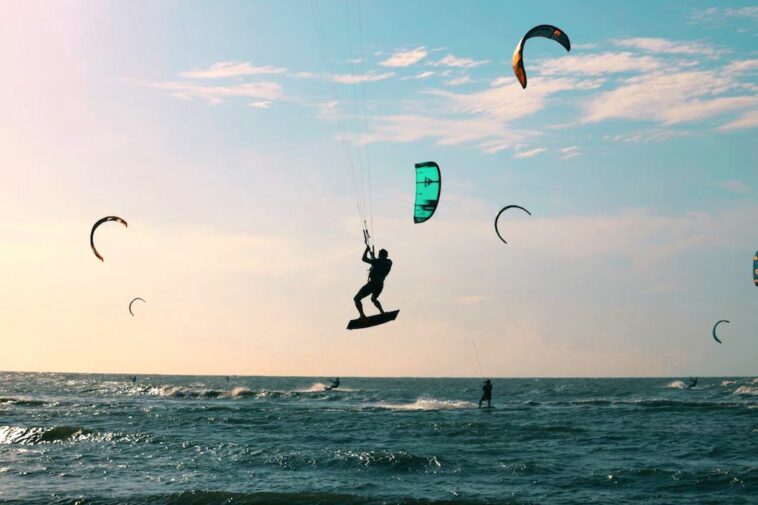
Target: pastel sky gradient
(211, 128)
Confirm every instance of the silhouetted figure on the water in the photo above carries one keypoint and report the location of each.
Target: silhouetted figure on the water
(227, 378)
(134, 379)
(486, 393)
(380, 268)
(335, 384)
(693, 383)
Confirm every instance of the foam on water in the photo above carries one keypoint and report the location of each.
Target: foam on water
(426, 404)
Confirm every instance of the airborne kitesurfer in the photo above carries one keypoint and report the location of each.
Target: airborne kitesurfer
(380, 268)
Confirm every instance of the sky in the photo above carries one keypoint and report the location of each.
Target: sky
(227, 135)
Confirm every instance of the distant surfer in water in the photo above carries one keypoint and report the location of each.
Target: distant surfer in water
(693, 383)
(134, 379)
(486, 393)
(335, 384)
(380, 268)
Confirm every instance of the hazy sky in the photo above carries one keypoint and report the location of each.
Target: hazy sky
(212, 128)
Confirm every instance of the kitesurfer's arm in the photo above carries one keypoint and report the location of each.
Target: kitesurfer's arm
(366, 254)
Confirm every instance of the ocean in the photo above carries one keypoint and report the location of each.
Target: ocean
(101, 439)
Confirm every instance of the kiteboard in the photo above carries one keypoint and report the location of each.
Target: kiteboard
(375, 320)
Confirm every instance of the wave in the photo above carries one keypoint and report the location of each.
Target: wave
(38, 435)
(397, 460)
(746, 390)
(425, 404)
(21, 402)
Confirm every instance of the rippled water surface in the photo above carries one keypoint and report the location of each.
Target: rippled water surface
(67, 438)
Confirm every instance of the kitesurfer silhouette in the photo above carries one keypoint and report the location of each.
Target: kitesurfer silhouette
(693, 383)
(335, 384)
(486, 393)
(380, 268)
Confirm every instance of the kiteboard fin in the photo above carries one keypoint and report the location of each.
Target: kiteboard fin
(375, 320)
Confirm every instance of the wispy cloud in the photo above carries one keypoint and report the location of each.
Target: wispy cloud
(424, 75)
(405, 58)
(263, 90)
(743, 122)
(487, 134)
(669, 98)
(735, 186)
(459, 80)
(263, 104)
(599, 64)
(226, 69)
(456, 62)
(651, 136)
(530, 153)
(721, 14)
(666, 46)
(569, 152)
(358, 78)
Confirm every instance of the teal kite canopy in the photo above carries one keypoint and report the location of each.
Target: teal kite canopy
(428, 182)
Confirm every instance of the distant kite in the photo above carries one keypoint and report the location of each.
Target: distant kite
(546, 31)
(130, 304)
(95, 226)
(715, 337)
(755, 268)
(428, 186)
(498, 217)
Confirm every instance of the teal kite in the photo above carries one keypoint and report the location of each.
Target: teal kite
(428, 182)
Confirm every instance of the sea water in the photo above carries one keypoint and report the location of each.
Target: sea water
(101, 439)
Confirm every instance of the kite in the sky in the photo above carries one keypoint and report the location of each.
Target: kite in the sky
(501, 212)
(95, 226)
(716, 337)
(428, 182)
(134, 300)
(546, 31)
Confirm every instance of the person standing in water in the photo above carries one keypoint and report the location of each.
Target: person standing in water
(380, 268)
(486, 393)
(335, 384)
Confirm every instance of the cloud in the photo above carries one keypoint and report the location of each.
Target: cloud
(569, 152)
(423, 75)
(745, 121)
(459, 80)
(530, 153)
(263, 104)
(263, 90)
(328, 110)
(226, 69)
(665, 46)
(598, 64)
(507, 102)
(405, 58)
(651, 136)
(454, 61)
(668, 98)
(735, 186)
(487, 134)
(719, 15)
(358, 78)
